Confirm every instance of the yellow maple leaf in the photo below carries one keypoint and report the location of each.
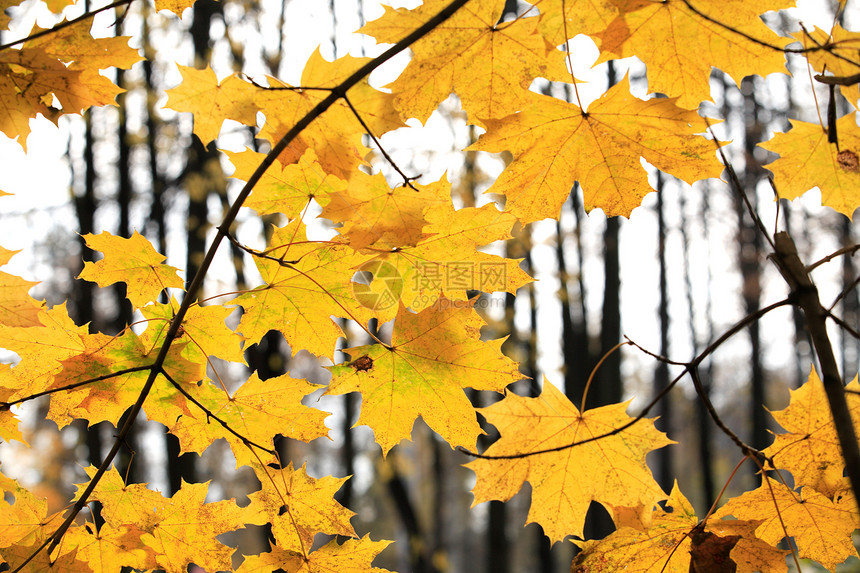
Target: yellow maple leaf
(110, 548)
(259, 410)
(836, 56)
(679, 63)
(434, 355)
(286, 189)
(42, 349)
(212, 101)
(809, 448)
(489, 65)
(307, 282)
(564, 19)
(17, 307)
(133, 261)
(298, 506)
(446, 262)
(555, 143)
(175, 6)
(808, 160)
(375, 214)
(821, 528)
(674, 539)
(336, 136)
(351, 556)
(179, 530)
(610, 470)
(204, 332)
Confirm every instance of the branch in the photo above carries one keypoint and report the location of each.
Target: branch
(743, 323)
(805, 294)
(849, 250)
(223, 229)
(66, 24)
(210, 414)
(6, 405)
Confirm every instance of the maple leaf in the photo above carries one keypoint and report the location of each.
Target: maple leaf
(352, 556)
(562, 19)
(810, 448)
(133, 261)
(212, 101)
(808, 160)
(180, 530)
(838, 49)
(175, 6)
(204, 332)
(22, 515)
(259, 410)
(674, 539)
(298, 506)
(336, 136)
(679, 65)
(17, 307)
(447, 262)
(110, 548)
(610, 470)
(42, 350)
(434, 355)
(307, 282)
(556, 143)
(286, 189)
(821, 528)
(488, 64)
(374, 214)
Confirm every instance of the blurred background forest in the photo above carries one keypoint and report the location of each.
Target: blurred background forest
(688, 264)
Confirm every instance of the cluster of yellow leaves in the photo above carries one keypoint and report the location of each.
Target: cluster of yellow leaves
(423, 259)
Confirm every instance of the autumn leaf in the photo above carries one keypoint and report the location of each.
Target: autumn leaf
(610, 470)
(352, 556)
(287, 189)
(133, 261)
(110, 548)
(434, 355)
(820, 527)
(561, 19)
(204, 331)
(298, 506)
(17, 307)
(676, 541)
(489, 65)
(336, 136)
(447, 262)
(180, 530)
(679, 65)
(258, 411)
(809, 448)
(555, 143)
(374, 214)
(231, 98)
(835, 56)
(808, 160)
(307, 282)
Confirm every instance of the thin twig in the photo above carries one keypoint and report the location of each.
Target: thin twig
(407, 180)
(849, 250)
(210, 414)
(743, 323)
(66, 24)
(7, 405)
